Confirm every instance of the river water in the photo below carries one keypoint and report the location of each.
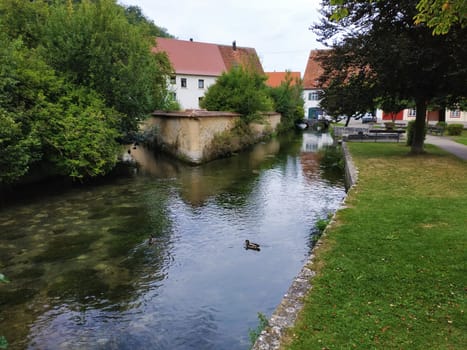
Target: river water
(83, 275)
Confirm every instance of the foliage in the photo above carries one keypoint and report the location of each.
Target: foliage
(242, 90)
(135, 16)
(3, 279)
(401, 60)
(332, 158)
(440, 15)
(254, 333)
(94, 45)
(288, 101)
(321, 224)
(455, 129)
(226, 143)
(3, 343)
(390, 273)
(74, 77)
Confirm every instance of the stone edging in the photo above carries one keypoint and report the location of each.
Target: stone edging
(286, 313)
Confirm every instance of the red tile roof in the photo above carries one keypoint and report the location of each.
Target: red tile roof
(244, 56)
(313, 70)
(192, 58)
(276, 78)
(196, 58)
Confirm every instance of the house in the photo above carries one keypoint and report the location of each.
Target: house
(197, 66)
(275, 79)
(311, 85)
(452, 116)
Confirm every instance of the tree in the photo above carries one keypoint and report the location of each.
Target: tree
(241, 90)
(405, 60)
(440, 15)
(93, 43)
(288, 101)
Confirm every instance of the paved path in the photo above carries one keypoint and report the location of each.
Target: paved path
(455, 148)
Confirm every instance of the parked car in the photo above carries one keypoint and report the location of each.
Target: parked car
(368, 118)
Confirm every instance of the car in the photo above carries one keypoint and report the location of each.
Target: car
(368, 118)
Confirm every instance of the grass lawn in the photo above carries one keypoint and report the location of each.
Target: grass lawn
(461, 138)
(391, 271)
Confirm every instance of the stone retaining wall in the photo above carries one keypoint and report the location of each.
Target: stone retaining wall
(187, 135)
(286, 313)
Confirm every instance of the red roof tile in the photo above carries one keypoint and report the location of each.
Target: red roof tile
(276, 78)
(244, 56)
(196, 58)
(192, 58)
(313, 70)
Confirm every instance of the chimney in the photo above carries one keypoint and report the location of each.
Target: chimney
(191, 39)
(234, 45)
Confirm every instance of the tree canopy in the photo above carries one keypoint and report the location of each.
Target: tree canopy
(74, 77)
(241, 90)
(402, 60)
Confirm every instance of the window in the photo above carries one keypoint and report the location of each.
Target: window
(314, 96)
(456, 113)
(172, 79)
(201, 83)
(183, 82)
(173, 95)
(200, 99)
(412, 112)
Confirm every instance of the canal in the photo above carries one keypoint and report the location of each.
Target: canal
(84, 276)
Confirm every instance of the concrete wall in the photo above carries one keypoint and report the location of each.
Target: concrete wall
(189, 134)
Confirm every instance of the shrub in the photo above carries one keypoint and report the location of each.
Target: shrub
(442, 124)
(455, 129)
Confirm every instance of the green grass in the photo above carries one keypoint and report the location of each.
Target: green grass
(461, 138)
(391, 272)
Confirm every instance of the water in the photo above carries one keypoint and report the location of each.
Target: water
(84, 277)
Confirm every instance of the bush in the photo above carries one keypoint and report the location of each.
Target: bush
(455, 129)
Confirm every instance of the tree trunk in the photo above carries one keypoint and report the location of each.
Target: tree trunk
(442, 114)
(347, 121)
(419, 128)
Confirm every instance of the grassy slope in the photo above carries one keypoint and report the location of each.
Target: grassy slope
(392, 270)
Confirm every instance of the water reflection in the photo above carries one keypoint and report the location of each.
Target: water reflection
(84, 276)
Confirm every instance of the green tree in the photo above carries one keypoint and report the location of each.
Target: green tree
(241, 90)
(94, 45)
(405, 60)
(288, 100)
(440, 15)
(43, 118)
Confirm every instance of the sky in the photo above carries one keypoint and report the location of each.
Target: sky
(277, 29)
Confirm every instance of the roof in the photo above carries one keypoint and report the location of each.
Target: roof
(275, 79)
(196, 58)
(313, 70)
(244, 56)
(192, 58)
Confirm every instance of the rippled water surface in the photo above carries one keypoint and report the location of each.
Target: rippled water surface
(83, 275)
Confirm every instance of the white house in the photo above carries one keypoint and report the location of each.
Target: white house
(311, 86)
(197, 66)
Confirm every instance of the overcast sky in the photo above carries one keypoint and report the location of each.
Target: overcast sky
(277, 29)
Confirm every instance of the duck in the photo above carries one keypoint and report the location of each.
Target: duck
(251, 245)
(151, 240)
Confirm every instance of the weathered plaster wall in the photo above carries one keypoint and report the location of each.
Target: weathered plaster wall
(189, 134)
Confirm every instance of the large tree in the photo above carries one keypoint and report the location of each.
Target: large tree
(405, 59)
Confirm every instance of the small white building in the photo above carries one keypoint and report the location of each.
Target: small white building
(311, 86)
(198, 65)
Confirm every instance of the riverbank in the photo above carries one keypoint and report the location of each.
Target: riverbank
(390, 272)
